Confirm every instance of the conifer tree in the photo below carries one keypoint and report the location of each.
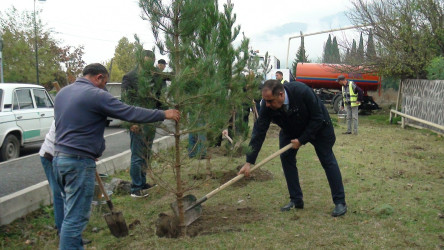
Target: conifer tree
(371, 51)
(335, 56)
(301, 55)
(347, 58)
(207, 83)
(327, 56)
(360, 52)
(352, 59)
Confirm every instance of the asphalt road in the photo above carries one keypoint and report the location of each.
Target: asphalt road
(27, 170)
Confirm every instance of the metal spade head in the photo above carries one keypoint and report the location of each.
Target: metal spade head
(116, 224)
(190, 214)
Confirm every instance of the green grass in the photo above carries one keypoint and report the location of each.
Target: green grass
(393, 178)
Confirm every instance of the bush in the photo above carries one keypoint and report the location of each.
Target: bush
(435, 69)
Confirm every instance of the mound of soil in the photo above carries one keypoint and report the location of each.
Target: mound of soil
(257, 175)
(214, 219)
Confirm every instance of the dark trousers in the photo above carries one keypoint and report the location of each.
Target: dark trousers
(323, 145)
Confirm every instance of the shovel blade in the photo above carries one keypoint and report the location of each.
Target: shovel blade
(116, 224)
(190, 215)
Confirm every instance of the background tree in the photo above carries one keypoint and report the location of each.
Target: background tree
(116, 74)
(205, 79)
(435, 69)
(301, 55)
(347, 56)
(360, 51)
(327, 55)
(73, 62)
(19, 52)
(370, 54)
(335, 55)
(124, 55)
(410, 33)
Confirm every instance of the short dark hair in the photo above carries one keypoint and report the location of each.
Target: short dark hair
(274, 85)
(280, 73)
(161, 61)
(94, 69)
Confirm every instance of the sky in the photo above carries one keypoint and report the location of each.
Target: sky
(99, 24)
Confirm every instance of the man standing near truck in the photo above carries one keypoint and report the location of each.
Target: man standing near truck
(351, 99)
(303, 118)
(81, 111)
(280, 77)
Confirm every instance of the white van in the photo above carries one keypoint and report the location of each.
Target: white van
(26, 114)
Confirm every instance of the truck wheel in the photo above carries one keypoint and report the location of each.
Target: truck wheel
(10, 148)
(337, 104)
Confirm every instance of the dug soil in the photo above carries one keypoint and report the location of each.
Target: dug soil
(218, 218)
(222, 218)
(214, 219)
(257, 175)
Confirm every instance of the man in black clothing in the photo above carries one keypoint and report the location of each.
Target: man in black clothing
(303, 118)
(141, 135)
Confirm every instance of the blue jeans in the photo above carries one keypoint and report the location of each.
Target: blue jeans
(141, 144)
(196, 145)
(56, 192)
(75, 177)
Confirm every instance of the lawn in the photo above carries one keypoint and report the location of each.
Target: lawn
(393, 178)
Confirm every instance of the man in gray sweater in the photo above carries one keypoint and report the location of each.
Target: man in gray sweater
(81, 110)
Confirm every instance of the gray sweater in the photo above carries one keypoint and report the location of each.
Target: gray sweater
(81, 111)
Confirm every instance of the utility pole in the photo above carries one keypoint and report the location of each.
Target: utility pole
(1, 58)
(36, 46)
(36, 49)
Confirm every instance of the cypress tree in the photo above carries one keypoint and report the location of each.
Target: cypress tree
(301, 55)
(353, 53)
(336, 57)
(360, 51)
(371, 51)
(327, 57)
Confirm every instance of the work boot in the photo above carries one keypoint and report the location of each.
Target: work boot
(293, 204)
(347, 133)
(340, 209)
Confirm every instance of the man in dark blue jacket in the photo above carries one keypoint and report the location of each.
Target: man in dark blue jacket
(81, 111)
(303, 118)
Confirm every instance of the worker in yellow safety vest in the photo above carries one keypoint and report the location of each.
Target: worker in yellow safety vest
(352, 97)
(280, 77)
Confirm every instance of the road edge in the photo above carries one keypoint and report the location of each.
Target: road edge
(25, 201)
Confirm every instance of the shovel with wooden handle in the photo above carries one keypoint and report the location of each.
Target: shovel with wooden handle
(116, 222)
(193, 207)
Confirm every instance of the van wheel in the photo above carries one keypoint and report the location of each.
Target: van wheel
(10, 148)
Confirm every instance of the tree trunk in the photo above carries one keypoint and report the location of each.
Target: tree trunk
(179, 192)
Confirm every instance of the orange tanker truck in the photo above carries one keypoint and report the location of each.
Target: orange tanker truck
(322, 78)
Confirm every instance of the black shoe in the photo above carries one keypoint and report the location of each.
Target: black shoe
(340, 209)
(292, 204)
(139, 194)
(347, 133)
(147, 186)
